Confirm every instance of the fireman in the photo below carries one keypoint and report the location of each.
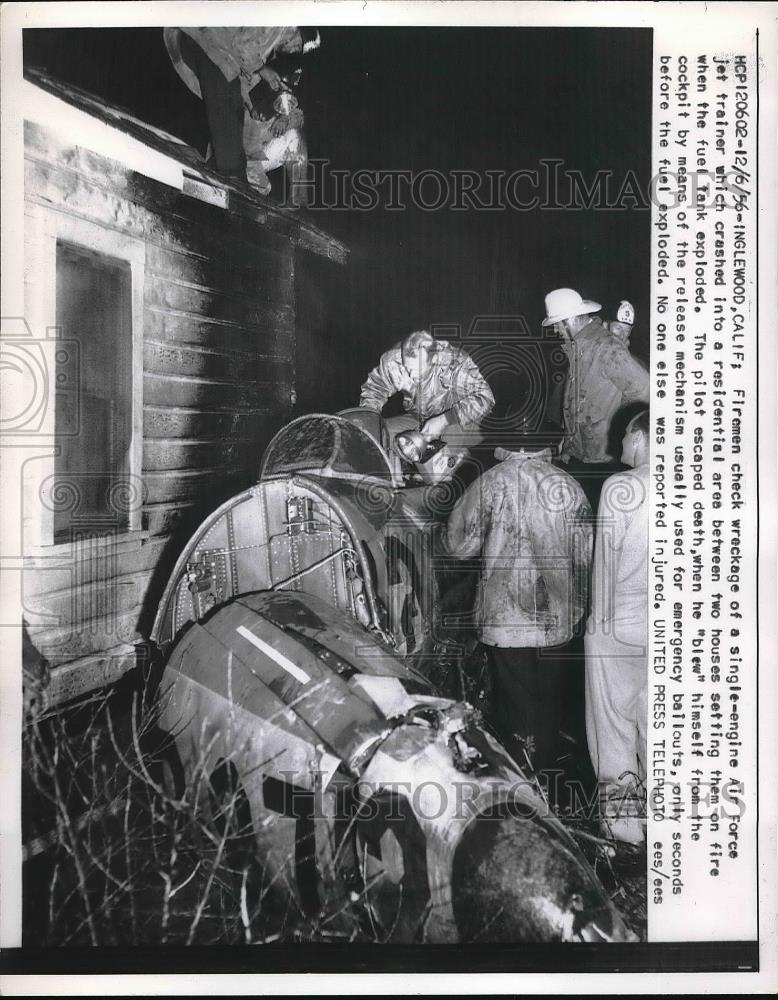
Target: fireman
(531, 525)
(617, 640)
(223, 65)
(439, 382)
(621, 327)
(603, 378)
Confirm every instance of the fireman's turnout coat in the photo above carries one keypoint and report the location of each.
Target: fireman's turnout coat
(532, 524)
(450, 382)
(603, 377)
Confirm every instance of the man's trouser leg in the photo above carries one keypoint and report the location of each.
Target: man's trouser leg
(553, 662)
(223, 110)
(523, 707)
(616, 679)
(616, 683)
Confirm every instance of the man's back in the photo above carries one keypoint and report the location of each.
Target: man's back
(531, 523)
(603, 377)
(620, 579)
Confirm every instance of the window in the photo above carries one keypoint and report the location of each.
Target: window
(94, 317)
(84, 295)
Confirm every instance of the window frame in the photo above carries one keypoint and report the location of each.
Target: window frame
(45, 228)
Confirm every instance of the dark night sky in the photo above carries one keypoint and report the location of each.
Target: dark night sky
(444, 99)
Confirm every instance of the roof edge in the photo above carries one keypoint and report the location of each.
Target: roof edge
(240, 199)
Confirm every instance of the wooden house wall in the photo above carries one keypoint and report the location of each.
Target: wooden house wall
(218, 378)
(343, 327)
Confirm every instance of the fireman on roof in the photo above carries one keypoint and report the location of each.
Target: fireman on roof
(225, 67)
(439, 382)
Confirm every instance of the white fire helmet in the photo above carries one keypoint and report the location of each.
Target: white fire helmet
(625, 313)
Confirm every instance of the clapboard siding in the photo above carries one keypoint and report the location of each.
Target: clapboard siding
(221, 303)
(246, 219)
(211, 233)
(161, 454)
(195, 485)
(51, 576)
(76, 640)
(219, 376)
(89, 603)
(174, 359)
(272, 343)
(257, 274)
(168, 518)
(180, 390)
(43, 146)
(305, 236)
(74, 679)
(224, 302)
(180, 422)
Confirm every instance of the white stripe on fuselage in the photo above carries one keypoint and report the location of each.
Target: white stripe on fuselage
(279, 658)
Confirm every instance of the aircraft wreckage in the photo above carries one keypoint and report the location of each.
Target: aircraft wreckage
(294, 623)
